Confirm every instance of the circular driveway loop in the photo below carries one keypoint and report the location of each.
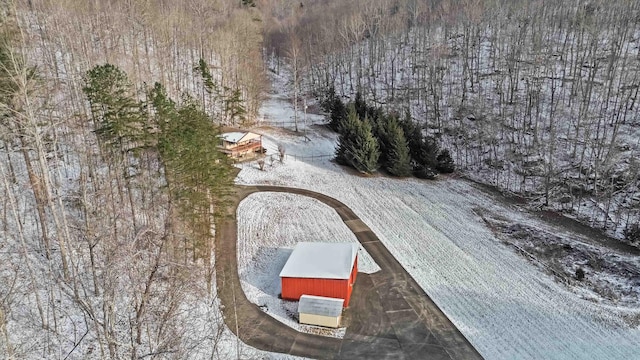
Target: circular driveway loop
(390, 316)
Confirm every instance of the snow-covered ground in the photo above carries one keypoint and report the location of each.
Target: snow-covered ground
(610, 277)
(278, 110)
(506, 306)
(206, 328)
(269, 226)
(495, 141)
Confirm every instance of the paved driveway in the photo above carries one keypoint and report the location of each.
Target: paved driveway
(389, 317)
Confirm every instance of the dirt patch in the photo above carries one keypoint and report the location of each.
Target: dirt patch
(594, 236)
(609, 277)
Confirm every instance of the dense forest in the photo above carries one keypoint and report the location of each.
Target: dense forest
(109, 112)
(537, 98)
(110, 179)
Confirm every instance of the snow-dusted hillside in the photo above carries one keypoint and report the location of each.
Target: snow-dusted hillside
(536, 98)
(95, 262)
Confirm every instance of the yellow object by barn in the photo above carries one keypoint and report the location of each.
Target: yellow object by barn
(320, 311)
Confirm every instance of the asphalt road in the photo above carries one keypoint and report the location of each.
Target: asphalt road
(389, 317)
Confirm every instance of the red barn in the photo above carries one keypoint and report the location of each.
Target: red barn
(320, 269)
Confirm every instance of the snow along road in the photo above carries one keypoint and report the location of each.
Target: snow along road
(269, 227)
(390, 316)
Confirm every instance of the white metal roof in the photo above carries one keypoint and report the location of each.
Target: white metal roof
(233, 137)
(320, 305)
(236, 136)
(250, 136)
(321, 261)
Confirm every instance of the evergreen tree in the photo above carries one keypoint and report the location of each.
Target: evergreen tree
(413, 134)
(164, 107)
(210, 88)
(399, 146)
(375, 114)
(423, 149)
(383, 129)
(379, 130)
(198, 174)
(328, 98)
(196, 171)
(357, 147)
(424, 165)
(234, 108)
(445, 162)
(116, 114)
(228, 101)
(207, 77)
(360, 105)
(338, 113)
(347, 130)
(398, 160)
(165, 115)
(428, 152)
(363, 152)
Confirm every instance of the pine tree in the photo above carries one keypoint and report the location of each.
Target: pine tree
(328, 98)
(428, 152)
(398, 158)
(360, 105)
(363, 152)
(425, 161)
(210, 88)
(413, 134)
(445, 162)
(338, 113)
(380, 127)
(198, 174)
(164, 107)
(347, 129)
(380, 130)
(207, 78)
(165, 116)
(234, 107)
(116, 114)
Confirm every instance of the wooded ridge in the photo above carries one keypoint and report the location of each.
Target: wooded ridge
(537, 98)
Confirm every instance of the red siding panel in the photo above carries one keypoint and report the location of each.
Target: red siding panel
(352, 281)
(293, 288)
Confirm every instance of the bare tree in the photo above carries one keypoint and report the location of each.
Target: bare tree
(294, 55)
(281, 152)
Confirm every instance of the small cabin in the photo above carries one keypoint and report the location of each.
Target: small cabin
(320, 269)
(320, 311)
(241, 145)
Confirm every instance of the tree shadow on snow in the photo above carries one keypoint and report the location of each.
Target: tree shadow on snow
(267, 267)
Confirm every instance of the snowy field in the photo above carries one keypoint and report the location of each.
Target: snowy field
(269, 226)
(506, 307)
